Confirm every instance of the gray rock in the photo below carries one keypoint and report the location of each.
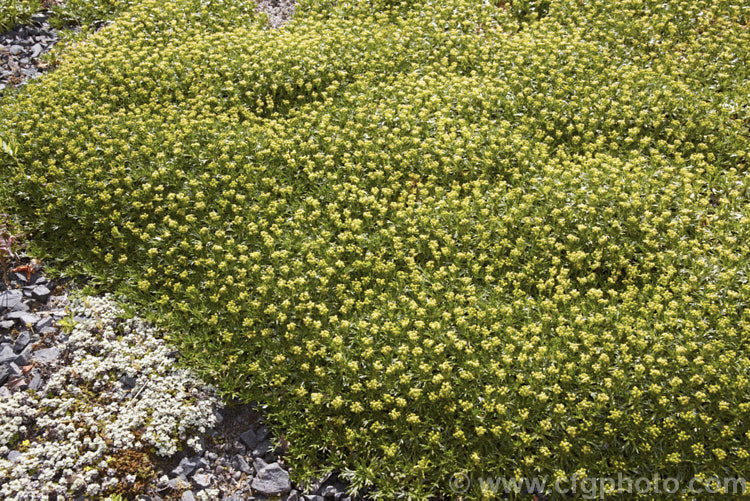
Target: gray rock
(188, 465)
(271, 479)
(202, 480)
(329, 491)
(4, 374)
(8, 299)
(36, 50)
(128, 383)
(249, 438)
(315, 497)
(41, 293)
(259, 464)
(5, 392)
(7, 324)
(16, 49)
(23, 358)
(22, 341)
(36, 382)
(261, 449)
(21, 307)
(239, 463)
(22, 318)
(293, 496)
(188, 496)
(44, 323)
(15, 370)
(178, 484)
(14, 456)
(7, 354)
(46, 355)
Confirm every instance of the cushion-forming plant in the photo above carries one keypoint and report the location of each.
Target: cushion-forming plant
(491, 238)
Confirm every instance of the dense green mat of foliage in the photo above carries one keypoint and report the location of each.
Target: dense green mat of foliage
(85, 12)
(432, 237)
(69, 12)
(14, 12)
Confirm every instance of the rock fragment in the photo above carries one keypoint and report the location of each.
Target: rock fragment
(271, 479)
(46, 355)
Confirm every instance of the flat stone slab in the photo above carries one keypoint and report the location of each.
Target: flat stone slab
(41, 293)
(22, 317)
(44, 323)
(9, 299)
(271, 479)
(7, 354)
(46, 354)
(22, 341)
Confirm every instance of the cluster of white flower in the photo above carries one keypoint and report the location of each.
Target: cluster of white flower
(68, 433)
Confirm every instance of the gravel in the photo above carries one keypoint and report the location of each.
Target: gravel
(20, 49)
(10, 298)
(277, 11)
(46, 355)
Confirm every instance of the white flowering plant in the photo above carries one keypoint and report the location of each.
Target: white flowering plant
(428, 237)
(82, 431)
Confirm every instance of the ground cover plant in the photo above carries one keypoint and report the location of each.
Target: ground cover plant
(84, 13)
(70, 12)
(13, 12)
(497, 238)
